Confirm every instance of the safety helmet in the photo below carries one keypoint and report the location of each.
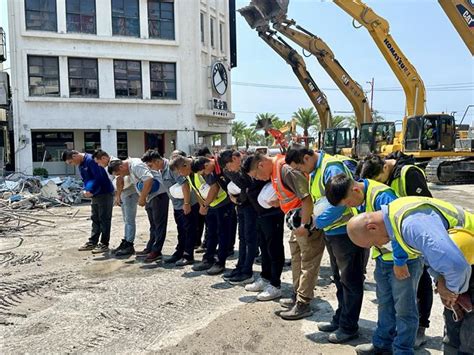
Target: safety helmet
(176, 191)
(293, 219)
(204, 190)
(266, 195)
(154, 188)
(233, 189)
(464, 239)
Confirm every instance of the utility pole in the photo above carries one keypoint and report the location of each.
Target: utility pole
(371, 94)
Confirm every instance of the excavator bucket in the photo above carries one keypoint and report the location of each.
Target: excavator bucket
(264, 123)
(271, 9)
(253, 16)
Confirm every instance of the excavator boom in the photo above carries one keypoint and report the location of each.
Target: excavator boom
(461, 14)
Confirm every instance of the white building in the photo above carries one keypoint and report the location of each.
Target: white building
(125, 75)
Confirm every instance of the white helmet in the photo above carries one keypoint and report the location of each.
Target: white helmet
(204, 190)
(320, 206)
(176, 191)
(293, 219)
(233, 189)
(266, 195)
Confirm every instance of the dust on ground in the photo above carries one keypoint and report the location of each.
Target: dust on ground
(54, 299)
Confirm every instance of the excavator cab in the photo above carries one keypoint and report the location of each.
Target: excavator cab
(374, 136)
(430, 133)
(336, 139)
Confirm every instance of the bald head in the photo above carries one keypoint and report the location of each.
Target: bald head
(368, 229)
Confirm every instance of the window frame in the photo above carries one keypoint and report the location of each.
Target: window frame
(221, 36)
(80, 14)
(40, 12)
(29, 57)
(128, 80)
(90, 151)
(212, 31)
(120, 141)
(160, 19)
(125, 17)
(34, 143)
(202, 27)
(83, 87)
(175, 82)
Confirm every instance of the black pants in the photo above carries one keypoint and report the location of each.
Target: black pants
(247, 238)
(425, 298)
(219, 228)
(458, 336)
(157, 211)
(347, 265)
(270, 232)
(101, 216)
(201, 228)
(187, 227)
(233, 232)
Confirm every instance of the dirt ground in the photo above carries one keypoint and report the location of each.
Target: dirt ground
(55, 299)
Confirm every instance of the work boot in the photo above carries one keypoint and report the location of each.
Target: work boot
(420, 337)
(153, 256)
(87, 246)
(340, 336)
(327, 326)
(299, 311)
(125, 249)
(100, 248)
(143, 253)
(370, 349)
(288, 302)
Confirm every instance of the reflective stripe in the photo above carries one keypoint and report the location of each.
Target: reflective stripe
(288, 199)
(400, 183)
(458, 215)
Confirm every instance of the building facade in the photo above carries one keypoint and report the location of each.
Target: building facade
(123, 75)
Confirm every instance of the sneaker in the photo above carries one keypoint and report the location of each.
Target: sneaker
(216, 269)
(420, 337)
(299, 311)
(143, 253)
(153, 256)
(340, 336)
(172, 259)
(288, 302)
(370, 349)
(123, 242)
(128, 249)
(269, 293)
(202, 266)
(100, 248)
(241, 279)
(229, 274)
(257, 286)
(87, 246)
(327, 326)
(184, 262)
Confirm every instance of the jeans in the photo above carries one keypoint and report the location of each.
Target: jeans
(247, 239)
(397, 309)
(157, 211)
(347, 265)
(270, 231)
(219, 229)
(101, 217)
(129, 214)
(425, 298)
(187, 227)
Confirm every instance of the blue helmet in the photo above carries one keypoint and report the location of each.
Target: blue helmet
(154, 188)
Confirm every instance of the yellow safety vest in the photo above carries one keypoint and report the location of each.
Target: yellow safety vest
(400, 183)
(456, 217)
(199, 181)
(317, 189)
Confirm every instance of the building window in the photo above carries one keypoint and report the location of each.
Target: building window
(83, 77)
(125, 18)
(122, 145)
(128, 78)
(161, 19)
(91, 141)
(211, 22)
(80, 16)
(48, 146)
(43, 76)
(221, 36)
(40, 15)
(202, 28)
(163, 80)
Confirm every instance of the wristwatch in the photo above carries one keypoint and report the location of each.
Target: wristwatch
(309, 227)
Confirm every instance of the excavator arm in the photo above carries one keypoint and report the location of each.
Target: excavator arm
(461, 14)
(291, 56)
(405, 72)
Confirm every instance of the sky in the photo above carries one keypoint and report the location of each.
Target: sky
(420, 28)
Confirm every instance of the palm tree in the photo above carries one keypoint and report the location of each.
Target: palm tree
(237, 132)
(306, 118)
(250, 136)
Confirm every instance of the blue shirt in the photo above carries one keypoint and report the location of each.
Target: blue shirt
(95, 178)
(383, 198)
(426, 230)
(330, 213)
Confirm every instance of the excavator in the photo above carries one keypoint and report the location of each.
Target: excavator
(430, 138)
(461, 14)
(334, 139)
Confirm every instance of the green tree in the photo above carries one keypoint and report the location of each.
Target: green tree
(237, 132)
(251, 136)
(306, 118)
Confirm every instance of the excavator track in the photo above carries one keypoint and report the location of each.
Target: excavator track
(450, 170)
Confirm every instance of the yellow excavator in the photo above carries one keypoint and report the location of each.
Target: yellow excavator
(461, 14)
(430, 138)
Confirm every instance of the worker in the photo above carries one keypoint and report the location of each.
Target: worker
(396, 294)
(347, 259)
(399, 171)
(429, 137)
(307, 246)
(420, 227)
